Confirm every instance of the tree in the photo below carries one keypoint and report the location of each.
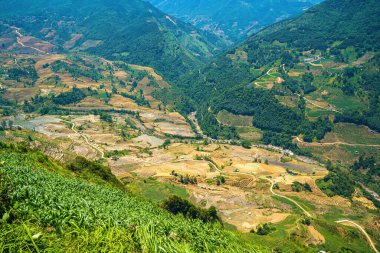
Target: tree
(176, 205)
(187, 179)
(307, 187)
(306, 221)
(166, 144)
(264, 229)
(106, 117)
(213, 213)
(246, 144)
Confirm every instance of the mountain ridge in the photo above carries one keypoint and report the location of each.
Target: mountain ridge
(232, 21)
(133, 31)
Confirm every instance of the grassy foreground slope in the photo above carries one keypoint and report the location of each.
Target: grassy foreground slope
(45, 208)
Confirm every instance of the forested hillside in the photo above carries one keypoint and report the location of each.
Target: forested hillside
(331, 24)
(133, 31)
(277, 74)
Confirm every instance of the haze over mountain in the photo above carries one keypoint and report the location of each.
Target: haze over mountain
(132, 30)
(233, 20)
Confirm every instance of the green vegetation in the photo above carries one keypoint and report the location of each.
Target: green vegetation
(172, 48)
(246, 144)
(154, 190)
(4, 101)
(129, 123)
(116, 153)
(298, 187)
(337, 182)
(45, 208)
(220, 180)
(342, 181)
(139, 98)
(286, 159)
(177, 205)
(65, 98)
(318, 30)
(76, 71)
(106, 117)
(340, 239)
(264, 229)
(297, 45)
(212, 128)
(187, 179)
(290, 80)
(352, 133)
(295, 208)
(20, 74)
(90, 170)
(359, 80)
(365, 163)
(234, 120)
(52, 103)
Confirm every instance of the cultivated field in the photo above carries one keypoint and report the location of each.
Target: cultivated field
(150, 148)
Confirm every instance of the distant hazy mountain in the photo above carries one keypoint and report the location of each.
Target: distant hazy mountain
(232, 19)
(133, 30)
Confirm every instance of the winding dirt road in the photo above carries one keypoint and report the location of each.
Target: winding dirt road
(319, 106)
(361, 230)
(338, 221)
(19, 36)
(284, 197)
(84, 137)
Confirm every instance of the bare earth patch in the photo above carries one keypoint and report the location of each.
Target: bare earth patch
(316, 238)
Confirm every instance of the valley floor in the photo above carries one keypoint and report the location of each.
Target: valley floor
(155, 152)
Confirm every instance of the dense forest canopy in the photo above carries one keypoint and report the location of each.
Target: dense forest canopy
(343, 22)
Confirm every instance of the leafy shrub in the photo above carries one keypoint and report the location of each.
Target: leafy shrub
(176, 205)
(74, 96)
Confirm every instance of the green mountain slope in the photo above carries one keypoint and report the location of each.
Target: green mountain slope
(232, 20)
(276, 73)
(345, 23)
(133, 31)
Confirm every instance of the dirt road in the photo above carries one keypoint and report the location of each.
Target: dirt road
(338, 221)
(19, 36)
(361, 230)
(284, 197)
(84, 137)
(309, 215)
(319, 106)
